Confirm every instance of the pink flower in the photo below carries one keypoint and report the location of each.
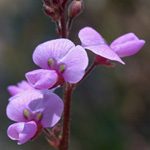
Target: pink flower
(60, 61)
(125, 45)
(21, 87)
(33, 111)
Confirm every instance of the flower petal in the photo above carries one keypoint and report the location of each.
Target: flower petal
(25, 85)
(22, 132)
(53, 108)
(75, 63)
(90, 37)
(13, 90)
(55, 49)
(18, 95)
(21, 87)
(128, 48)
(124, 38)
(105, 51)
(41, 78)
(15, 108)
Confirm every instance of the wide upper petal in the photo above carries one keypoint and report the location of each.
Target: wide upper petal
(41, 78)
(22, 132)
(55, 49)
(105, 51)
(90, 37)
(15, 108)
(76, 61)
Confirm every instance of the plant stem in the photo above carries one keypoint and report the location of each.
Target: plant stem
(68, 89)
(64, 143)
(63, 22)
(58, 28)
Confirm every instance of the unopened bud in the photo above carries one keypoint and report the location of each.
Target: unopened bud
(66, 1)
(56, 130)
(57, 3)
(75, 8)
(52, 12)
(47, 2)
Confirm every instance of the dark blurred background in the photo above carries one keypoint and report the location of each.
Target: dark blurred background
(111, 109)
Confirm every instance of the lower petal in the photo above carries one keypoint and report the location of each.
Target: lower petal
(41, 78)
(128, 48)
(124, 38)
(73, 76)
(22, 132)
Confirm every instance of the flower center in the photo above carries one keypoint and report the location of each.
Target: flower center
(26, 113)
(62, 68)
(51, 62)
(39, 116)
(32, 116)
(58, 67)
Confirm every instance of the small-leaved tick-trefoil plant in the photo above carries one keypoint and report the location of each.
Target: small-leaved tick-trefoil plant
(33, 105)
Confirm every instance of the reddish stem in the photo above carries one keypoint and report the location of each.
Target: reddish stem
(63, 22)
(68, 88)
(58, 28)
(64, 143)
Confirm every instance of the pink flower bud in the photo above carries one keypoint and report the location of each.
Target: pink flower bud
(57, 3)
(47, 2)
(75, 8)
(52, 12)
(57, 130)
(66, 1)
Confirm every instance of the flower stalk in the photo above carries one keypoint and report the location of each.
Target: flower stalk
(63, 23)
(64, 143)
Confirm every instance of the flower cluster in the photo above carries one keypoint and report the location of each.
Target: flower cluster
(33, 110)
(33, 105)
